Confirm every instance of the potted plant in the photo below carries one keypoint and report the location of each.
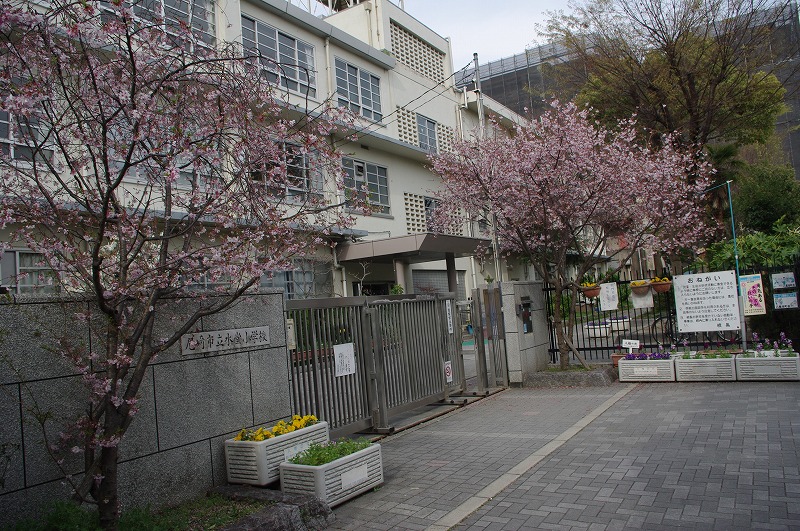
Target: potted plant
(253, 456)
(661, 284)
(590, 289)
(647, 367)
(334, 472)
(640, 287)
(705, 365)
(780, 362)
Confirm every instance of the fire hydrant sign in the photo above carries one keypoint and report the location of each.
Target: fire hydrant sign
(706, 302)
(753, 294)
(344, 359)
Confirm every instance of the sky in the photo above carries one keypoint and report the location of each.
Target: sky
(494, 29)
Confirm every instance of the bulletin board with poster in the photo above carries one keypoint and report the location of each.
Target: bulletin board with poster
(706, 302)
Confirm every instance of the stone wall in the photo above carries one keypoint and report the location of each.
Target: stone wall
(526, 350)
(189, 404)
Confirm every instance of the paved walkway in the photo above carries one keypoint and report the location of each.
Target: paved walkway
(650, 456)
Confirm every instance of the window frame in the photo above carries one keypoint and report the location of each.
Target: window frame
(38, 273)
(272, 64)
(351, 92)
(311, 179)
(144, 12)
(426, 128)
(375, 190)
(12, 144)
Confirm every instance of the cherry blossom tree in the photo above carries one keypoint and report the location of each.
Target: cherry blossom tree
(141, 163)
(563, 188)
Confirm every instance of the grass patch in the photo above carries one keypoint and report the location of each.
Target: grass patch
(207, 513)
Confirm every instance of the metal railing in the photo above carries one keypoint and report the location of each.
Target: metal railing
(651, 326)
(401, 347)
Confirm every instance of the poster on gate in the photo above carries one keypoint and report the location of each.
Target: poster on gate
(344, 359)
(752, 289)
(609, 297)
(706, 302)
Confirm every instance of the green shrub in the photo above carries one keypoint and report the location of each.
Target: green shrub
(319, 454)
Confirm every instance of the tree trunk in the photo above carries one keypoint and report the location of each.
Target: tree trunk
(558, 325)
(108, 498)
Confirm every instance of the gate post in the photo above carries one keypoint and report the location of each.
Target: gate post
(377, 375)
(441, 340)
(480, 348)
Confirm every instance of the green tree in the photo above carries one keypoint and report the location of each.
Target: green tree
(765, 194)
(697, 67)
(778, 247)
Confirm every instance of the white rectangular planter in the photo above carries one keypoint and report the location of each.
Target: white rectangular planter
(768, 368)
(619, 324)
(597, 330)
(705, 370)
(256, 462)
(646, 371)
(337, 481)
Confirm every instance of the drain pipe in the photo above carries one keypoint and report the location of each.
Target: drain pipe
(340, 268)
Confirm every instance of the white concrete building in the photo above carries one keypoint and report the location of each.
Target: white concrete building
(397, 74)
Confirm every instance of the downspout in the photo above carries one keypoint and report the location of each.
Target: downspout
(340, 268)
(368, 9)
(328, 75)
(470, 228)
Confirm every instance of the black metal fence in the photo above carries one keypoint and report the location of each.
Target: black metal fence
(596, 334)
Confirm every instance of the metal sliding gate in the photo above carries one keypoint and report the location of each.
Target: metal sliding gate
(355, 362)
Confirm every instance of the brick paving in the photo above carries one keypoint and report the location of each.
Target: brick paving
(704, 456)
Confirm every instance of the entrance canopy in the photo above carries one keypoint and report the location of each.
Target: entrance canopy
(412, 249)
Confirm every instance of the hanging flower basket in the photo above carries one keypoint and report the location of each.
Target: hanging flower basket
(661, 287)
(591, 291)
(640, 289)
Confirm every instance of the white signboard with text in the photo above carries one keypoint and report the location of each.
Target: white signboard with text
(344, 359)
(705, 302)
(785, 301)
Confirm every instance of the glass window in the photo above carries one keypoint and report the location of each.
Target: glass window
(298, 283)
(426, 130)
(301, 179)
(34, 275)
(283, 59)
(197, 15)
(358, 90)
(368, 181)
(22, 138)
(431, 204)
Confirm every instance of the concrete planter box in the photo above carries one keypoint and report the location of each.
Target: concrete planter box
(597, 329)
(646, 370)
(337, 481)
(256, 462)
(783, 368)
(705, 370)
(620, 324)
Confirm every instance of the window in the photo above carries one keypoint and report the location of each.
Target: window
(283, 59)
(301, 179)
(306, 279)
(358, 90)
(197, 15)
(431, 205)
(21, 138)
(369, 181)
(426, 131)
(27, 272)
